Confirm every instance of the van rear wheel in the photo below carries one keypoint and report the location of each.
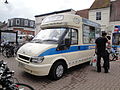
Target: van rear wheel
(57, 71)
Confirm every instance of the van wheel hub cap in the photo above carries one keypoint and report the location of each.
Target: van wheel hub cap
(59, 71)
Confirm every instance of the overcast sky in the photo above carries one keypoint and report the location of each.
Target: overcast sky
(30, 8)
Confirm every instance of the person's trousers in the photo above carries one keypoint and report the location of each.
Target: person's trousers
(105, 57)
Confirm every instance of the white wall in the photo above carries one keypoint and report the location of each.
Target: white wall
(105, 14)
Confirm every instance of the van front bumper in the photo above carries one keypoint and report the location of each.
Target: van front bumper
(35, 69)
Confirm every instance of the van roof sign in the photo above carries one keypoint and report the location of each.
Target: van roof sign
(53, 18)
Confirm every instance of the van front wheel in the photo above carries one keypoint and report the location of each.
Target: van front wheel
(57, 71)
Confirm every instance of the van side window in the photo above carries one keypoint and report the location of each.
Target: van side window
(74, 38)
(88, 34)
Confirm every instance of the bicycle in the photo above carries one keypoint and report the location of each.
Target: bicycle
(7, 81)
(8, 49)
(114, 54)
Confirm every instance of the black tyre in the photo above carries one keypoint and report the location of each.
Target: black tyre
(9, 53)
(112, 57)
(57, 70)
(22, 86)
(4, 52)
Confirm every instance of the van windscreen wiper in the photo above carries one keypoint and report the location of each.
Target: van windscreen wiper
(36, 41)
(51, 40)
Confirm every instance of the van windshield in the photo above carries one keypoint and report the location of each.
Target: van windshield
(51, 35)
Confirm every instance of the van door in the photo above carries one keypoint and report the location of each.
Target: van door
(70, 47)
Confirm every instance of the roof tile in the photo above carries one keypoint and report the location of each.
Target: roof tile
(98, 4)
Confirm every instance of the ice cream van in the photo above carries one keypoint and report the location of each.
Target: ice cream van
(65, 40)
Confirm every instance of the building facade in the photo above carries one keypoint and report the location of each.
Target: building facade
(23, 26)
(106, 13)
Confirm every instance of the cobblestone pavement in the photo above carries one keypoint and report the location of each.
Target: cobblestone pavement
(82, 77)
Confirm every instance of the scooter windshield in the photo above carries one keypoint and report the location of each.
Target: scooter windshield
(50, 36)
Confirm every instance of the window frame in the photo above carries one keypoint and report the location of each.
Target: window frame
(98, 16)
(83, 40)
(26, 22)
(31, 24)
(17, 21)
(72, 34)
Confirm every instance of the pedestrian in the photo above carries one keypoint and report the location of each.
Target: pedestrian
(102, 52)
(108, 44)
(108, 48)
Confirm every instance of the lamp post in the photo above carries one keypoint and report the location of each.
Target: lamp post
(6, 2)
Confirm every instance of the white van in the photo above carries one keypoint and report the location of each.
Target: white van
(65, 40)
(21, 38)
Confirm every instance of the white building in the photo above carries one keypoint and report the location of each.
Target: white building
(106, 13)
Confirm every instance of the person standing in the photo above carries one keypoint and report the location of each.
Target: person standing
(102, 52)
(108, 48)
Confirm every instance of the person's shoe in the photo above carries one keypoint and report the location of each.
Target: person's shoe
(98, 71)
(106, 71)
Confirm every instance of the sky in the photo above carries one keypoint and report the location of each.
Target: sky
(29, 8)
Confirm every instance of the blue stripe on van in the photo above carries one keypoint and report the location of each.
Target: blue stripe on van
(53, 51)
(116, 46)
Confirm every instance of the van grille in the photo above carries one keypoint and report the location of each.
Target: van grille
(24, 57)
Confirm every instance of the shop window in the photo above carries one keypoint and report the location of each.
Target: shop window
(98, 15)
(116, 39)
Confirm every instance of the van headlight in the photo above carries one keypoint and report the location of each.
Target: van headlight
(37, 59)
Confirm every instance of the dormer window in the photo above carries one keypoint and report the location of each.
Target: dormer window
(11, 23)
(98, 15)
(26, 22)
(17, 21)
(31, 24)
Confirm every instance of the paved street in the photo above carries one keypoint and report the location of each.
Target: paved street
(82, 77)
